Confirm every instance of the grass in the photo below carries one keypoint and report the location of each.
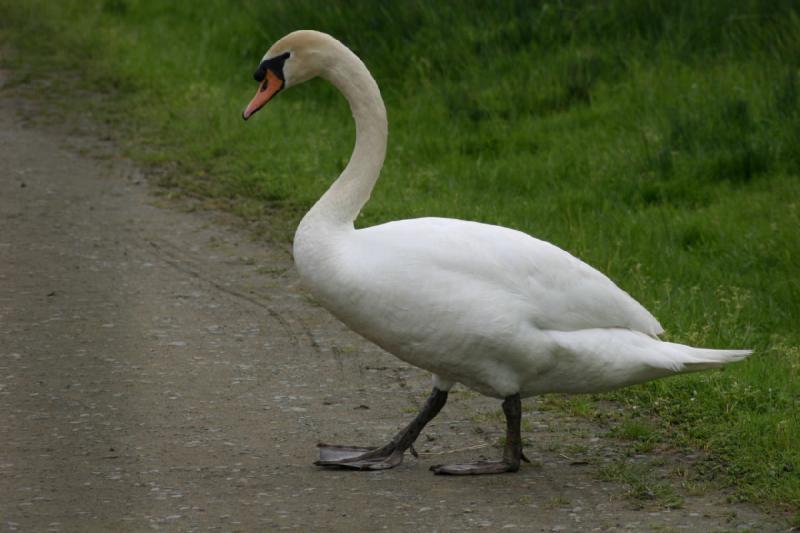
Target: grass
(643, 487)
(657, 140)
(642, 436)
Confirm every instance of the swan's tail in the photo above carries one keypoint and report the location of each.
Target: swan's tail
(703, 358)
(610, 358)
(679, 358)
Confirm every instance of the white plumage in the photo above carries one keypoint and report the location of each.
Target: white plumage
(492, 308)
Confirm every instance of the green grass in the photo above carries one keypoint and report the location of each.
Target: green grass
(643, 486)
(657, 140)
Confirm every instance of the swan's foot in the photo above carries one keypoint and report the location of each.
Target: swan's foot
(333, 453)
(476, 468)
(357, 458)
(512, 453)
(389, 456)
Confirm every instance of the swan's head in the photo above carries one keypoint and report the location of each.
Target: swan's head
(295, 58)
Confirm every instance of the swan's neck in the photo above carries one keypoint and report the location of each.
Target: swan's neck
(340, 205)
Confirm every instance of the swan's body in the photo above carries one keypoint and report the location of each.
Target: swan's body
(493, 308)
(489, 307)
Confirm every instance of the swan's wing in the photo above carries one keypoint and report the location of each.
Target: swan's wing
(559, 291)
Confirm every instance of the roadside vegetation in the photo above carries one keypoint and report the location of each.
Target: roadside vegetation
(657, 140)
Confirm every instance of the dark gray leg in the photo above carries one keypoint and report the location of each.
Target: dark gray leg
(512, 453)
(389, 456)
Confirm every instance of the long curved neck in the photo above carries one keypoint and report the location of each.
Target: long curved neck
(340, 205)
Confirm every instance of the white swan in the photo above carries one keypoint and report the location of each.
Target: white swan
(492, 308)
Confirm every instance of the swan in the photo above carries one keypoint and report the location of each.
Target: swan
(494, 309)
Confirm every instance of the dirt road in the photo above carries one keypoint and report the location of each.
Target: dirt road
(162, 370)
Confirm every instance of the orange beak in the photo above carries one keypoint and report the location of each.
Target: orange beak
(271, 85)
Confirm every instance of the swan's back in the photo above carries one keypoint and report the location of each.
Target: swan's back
(433, 258)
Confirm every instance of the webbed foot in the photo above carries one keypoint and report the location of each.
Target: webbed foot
(389, 456)
(512, 452)
(476, 468)
(358, 458)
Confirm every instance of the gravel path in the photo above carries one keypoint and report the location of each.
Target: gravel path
(161, 369)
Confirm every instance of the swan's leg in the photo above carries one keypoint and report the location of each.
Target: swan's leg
(512, 453)
(389, 456)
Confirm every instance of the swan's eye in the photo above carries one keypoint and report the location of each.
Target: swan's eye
(275, 64)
